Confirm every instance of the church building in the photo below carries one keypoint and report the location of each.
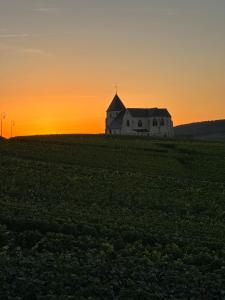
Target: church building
(155, 122)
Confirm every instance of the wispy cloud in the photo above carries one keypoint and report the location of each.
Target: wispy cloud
(45, 10)
(3, 47)
(14, 35)
(33, 51)
(12, 50)
(171, 12)
(21, 35)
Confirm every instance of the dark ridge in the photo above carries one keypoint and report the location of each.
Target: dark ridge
(204, 130)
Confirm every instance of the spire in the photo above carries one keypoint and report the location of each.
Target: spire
(116, 104)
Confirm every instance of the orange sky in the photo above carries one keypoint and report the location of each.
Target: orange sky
(59, 62)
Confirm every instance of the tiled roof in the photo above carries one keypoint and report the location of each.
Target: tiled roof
(148, 112)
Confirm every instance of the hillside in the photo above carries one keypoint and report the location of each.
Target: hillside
(94, 217)
(203, 130)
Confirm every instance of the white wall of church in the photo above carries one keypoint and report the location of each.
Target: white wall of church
(125, 128)
(162, 127)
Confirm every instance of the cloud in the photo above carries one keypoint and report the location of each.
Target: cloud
(21, 35)
(45, 10)
(33, 51)
(15, 35)
(12, 50)
(171, 12)
(3, 47)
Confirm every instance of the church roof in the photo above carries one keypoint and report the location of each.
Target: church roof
(116, 104)
(148, 112)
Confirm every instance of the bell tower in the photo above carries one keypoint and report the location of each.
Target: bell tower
(113, 110)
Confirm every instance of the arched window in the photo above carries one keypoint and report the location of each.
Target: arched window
(139, 123)
(162, 122)
(155, 123)
(128, 123)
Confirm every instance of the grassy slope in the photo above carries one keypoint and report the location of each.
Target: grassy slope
(112, 218)
(211, 130)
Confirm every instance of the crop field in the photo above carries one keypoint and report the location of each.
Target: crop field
(94, 217)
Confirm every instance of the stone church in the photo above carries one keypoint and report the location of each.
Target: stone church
(138, 121)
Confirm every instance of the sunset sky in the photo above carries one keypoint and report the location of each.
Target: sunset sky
(60, 60)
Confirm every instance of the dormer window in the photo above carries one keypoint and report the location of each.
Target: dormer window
(140, 123)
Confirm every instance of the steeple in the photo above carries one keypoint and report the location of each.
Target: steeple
(116, 104)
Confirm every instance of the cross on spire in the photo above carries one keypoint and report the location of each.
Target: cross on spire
(116, 88)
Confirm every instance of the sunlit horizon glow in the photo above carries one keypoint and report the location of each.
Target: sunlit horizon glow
(60, 60)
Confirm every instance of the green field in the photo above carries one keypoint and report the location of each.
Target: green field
(94, 217)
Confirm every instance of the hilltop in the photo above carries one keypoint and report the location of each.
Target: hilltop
(202, 130)
(95, 217)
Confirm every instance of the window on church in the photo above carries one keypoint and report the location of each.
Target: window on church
(155, 123)
(128, 123)
(140, 123)
(162, 122)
